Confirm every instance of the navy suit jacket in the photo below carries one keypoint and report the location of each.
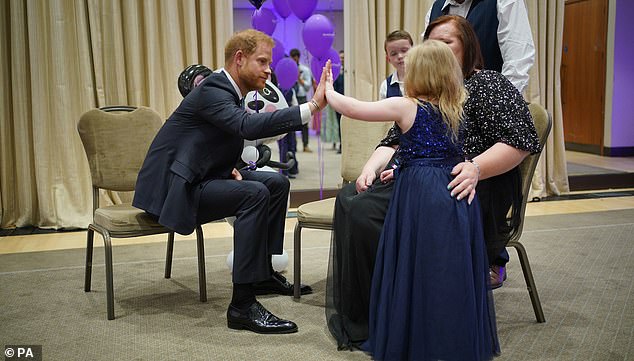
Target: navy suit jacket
(202, 140)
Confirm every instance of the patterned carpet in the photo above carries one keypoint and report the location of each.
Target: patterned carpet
(582, 265)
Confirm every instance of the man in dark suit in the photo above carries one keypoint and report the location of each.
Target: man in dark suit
(189, 175)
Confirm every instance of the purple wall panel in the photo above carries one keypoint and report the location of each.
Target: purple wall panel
(622, 110)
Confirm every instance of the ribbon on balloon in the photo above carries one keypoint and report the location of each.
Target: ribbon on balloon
(257, 3)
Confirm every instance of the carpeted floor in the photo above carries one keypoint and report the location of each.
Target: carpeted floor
(579, 169)
(582, 265)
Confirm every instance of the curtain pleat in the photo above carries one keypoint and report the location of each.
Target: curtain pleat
(62, 58)
(547, 23)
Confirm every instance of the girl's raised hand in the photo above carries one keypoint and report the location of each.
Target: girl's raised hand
(327, 70)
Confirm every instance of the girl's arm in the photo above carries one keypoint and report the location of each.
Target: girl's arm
(398, 109)
(390, 109)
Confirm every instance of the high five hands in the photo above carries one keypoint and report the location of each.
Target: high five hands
(325, 83)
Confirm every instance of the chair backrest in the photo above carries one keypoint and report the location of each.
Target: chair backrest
(543, 124)
(116, 144)
(358, 141)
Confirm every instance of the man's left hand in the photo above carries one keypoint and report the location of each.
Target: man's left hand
(236, 174)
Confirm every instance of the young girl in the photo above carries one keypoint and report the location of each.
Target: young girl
(429, 298)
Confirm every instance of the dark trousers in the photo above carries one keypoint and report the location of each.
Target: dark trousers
(302, 100)
(259, 204)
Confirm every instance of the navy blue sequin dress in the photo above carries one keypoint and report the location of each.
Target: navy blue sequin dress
(429, 297)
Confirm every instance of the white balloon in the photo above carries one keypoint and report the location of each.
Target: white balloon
(230, 261)
(280, 261)
(250, 154)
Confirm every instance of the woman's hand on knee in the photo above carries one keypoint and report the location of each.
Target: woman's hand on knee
(364, 181)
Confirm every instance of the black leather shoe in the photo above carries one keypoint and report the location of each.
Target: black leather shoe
(258, 319)
(278, 285)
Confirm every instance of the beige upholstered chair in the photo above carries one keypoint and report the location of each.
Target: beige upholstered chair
(358, 141)
(543, 124)
(116, 140)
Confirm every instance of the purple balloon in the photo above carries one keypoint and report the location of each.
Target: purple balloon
(317, 64)
(335, 62)
(287, 72)
(282, 8)
(278, 53)
(303, 9)
(264, 20)
(318, 35)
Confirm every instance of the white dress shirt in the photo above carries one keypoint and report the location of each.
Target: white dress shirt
(514, 37)
(383, 87)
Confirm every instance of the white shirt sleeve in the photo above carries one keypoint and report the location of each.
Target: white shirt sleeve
(516, 41)
(383, 90)
(304, 112)
(427, 17)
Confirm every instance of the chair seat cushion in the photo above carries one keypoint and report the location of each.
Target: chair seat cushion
(317, 212)
(125, 218)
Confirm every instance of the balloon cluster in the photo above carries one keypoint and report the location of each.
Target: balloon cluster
(318, 35)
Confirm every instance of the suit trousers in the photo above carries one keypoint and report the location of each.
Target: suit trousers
(258, 202)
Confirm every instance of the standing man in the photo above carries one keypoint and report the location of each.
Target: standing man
(304, 84)
(503, 30)
(189, 175)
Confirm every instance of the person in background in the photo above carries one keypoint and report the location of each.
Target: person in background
(302, 88)
(189, 175)
(338, 85)
(506, 43)
(289, 142)
(396, 45)
(504, 32)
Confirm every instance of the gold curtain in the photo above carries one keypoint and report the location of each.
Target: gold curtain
(61, 58)
(366, 66)
(544, 87)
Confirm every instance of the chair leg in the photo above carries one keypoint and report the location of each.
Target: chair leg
(530, 282)
(89, 242)
(297, 259)
(169, 255)
(202, 278)
(109, 282)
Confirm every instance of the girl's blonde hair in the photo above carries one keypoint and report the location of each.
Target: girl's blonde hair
(433, 73)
